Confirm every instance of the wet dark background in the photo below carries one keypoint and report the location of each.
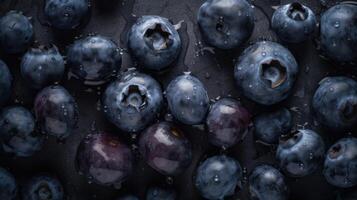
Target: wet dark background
(213, 67)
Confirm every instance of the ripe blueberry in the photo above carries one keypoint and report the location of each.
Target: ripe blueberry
(104, 159)
(226, 24)
(227, 121)
(56, 111)
(94, 59)
(266, 72)
(335, 103)
(217, 177)
(340, 168)
(17, 136)
(67, 15)
(165, 148)
(267, 183)
(294, 22)
(187, 99)
(133, 101)
(338, 29)
(43, 66)
(16, 33)
(268, 127)
(300, 154)
(154, 42)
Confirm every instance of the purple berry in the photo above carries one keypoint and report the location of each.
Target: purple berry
(226, 122)
(165, 148)
(104, 159)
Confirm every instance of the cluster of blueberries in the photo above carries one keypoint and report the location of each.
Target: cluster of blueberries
(265, 72)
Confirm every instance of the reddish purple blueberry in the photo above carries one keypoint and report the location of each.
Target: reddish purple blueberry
(227, 121)
(104, 159)
(165, 148)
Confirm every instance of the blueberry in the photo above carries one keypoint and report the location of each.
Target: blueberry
(16, 33)
(218, 176)
(43, 66)
(300, 154)
(335, 103)
(294, 22)
(267, 183)
(104, 159)
(8, 186)
(165, 148)
(187, 99)
(5, 83)
(226, 24)
(227, 122)
(340, 168)
(271, 125)
(154, 42)
(68, 14)
(128, 197)
(338, 32)
(43, 187)
(133, 101)
(56, 111)
(266, 72)
(94, 59)
(17, 136)
(156, 193)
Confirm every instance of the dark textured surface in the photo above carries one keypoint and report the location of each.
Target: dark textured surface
(213, 67)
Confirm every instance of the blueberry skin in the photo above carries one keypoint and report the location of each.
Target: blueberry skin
(226, 24)
(165, 148)
(340, 167)
(104, 159)
(227, 122)
(218, 176)
(335, 103)
(154, 42)
(17, 127)
(43, 187)
(43, 66)
(338, 32)
(16, 33)
(271, 125)
(8, 186)
(5, 83)
(267, 183)
(68, 14)
(266, 72)
(156, 193)
(133, 101)
(187, 99)
(300, 154)
(294, 22)
(56, 111)
(94, 59)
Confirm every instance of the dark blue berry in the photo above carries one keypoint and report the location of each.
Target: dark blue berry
(187, 99)
(43, 188)
(133, 101)
(5, 83)
(266, 72)
(8, 186)
(154, 42)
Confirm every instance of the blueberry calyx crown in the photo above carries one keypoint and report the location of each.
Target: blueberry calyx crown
(157, 37)
(274, 72)
(335, 151)
(44, 192)
(135, 97)
(297, 12)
